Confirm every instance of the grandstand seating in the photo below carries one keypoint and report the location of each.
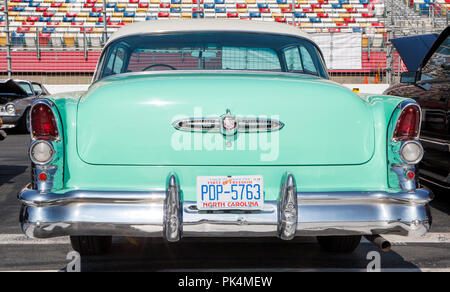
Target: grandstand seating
(59, 23)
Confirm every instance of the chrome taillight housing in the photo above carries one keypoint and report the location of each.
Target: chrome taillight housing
(408, 124)
(43, 123)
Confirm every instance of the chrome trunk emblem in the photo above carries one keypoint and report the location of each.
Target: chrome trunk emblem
(228, 124)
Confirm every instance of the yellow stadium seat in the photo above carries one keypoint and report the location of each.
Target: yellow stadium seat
(117, 14)
(13, 13)
(338, 20)
(12, 4)
(155, 2)
(97, 29)
(283, 6)
(2, 39)
(347, 6)
(175, 5)
(92, 19)
(20, 19)
(83, 14)
(142, 10)
(122, 5)
(242, 10)
(186, 1)
(345, 15)
(277, 15)
(319, 10)
(365, 42)
(69, 39)
(63, 9)
(49, 1)
(364, 24)
(128, 19)
(186, 15)
(67, 5)
(250, 1)
(302, 2)
(306, 24)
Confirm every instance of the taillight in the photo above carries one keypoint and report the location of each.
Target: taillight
(43, 124)
(408, 124)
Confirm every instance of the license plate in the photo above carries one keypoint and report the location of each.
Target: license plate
(230, 192)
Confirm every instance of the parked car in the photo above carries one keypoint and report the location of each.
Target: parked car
(209, 128)
(2, 133)
(16, 97)
(429, 86)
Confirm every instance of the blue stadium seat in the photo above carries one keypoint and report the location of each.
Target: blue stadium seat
(129, 14)
(221, 10)
(111, 5)
(209, 5)
(175, 10)
(17, 39)
(95, 14)
(255, 14)
(117, 9)
(175, 1)
(48, 29)
(300, 15)
(219, 1)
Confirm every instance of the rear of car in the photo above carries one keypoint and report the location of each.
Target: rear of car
(249, 139)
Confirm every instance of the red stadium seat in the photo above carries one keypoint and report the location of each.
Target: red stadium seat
(232, 15)
(163, 14)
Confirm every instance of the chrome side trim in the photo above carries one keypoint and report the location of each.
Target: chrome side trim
(172, 210)
(443, 143)
(287, 208)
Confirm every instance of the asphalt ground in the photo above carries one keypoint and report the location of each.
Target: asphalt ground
(18, 253)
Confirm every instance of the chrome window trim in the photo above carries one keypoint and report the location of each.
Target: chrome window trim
(101, 62)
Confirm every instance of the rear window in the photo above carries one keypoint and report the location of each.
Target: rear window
(212, 51)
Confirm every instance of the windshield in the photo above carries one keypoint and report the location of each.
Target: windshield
(26, 87)
(212, 51)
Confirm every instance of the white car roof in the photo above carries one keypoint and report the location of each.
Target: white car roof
(197, 25)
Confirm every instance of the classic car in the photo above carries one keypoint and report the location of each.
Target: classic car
(209, 128)
(16, 98)
(429, 86)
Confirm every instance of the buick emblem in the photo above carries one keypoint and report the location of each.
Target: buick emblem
(229, 124)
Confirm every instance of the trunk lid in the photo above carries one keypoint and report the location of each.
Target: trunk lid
(127, 120)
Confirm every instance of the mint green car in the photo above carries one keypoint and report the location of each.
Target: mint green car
(221, 129)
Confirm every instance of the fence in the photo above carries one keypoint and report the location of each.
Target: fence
(67, 52)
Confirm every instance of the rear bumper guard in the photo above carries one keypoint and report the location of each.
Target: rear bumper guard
(164, 214)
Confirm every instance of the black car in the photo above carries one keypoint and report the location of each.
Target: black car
(430, 87)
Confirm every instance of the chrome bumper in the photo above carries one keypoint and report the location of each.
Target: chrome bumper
(162, 214)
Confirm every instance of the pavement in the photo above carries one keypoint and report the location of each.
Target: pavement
(18, 253)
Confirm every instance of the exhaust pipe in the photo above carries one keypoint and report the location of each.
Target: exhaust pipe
(379, 241)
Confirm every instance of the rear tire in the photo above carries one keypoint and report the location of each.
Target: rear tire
(24, 124)
(91, 245)
(339, 244)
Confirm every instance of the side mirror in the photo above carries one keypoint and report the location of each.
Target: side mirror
(408, 77)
